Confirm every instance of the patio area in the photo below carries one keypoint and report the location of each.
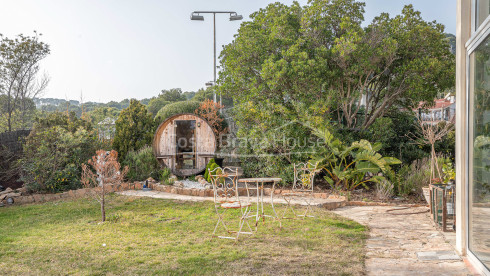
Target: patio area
(405, 242)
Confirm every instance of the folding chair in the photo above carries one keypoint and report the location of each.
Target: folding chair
(304, 176)
(226, 197)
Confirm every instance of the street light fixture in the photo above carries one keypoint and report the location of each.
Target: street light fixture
(234, 17)
(198, 17)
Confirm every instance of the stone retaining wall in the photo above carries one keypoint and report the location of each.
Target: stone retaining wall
(40, 198)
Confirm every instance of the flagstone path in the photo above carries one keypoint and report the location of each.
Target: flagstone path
(405, 244)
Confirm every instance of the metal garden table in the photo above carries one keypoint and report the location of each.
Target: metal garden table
(259, 187)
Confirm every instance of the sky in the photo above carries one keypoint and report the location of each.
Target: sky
(116, 49)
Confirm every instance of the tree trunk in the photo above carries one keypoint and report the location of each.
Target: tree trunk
(102, 203)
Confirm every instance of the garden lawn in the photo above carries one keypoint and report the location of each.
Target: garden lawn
(155, 236)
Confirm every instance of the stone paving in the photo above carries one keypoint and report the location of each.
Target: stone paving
(405, 244)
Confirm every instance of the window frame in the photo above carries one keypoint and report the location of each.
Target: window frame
(477, 37)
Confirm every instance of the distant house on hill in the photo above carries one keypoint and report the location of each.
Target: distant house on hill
(442, 110)
(106, 128)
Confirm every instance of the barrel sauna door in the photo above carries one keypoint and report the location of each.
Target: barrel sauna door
(185, 141)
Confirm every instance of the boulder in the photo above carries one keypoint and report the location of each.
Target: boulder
(12, 195)
(178, 184)
(22, 190)
(8, 190)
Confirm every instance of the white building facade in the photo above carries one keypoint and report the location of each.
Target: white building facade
(473, 132)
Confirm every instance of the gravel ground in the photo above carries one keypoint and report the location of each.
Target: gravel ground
(192, 184)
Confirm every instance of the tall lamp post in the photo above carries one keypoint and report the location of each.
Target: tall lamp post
(233, 17)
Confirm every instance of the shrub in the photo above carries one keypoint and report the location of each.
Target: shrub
(384, 189)
(209, 110)
(176, 108)
(393, 132)
(272, 138)
(348, 166)
(156, 104)
(411, 179)
(142, 164)
(134, 129)
(54, 152)
(210, 167)
(165, 174)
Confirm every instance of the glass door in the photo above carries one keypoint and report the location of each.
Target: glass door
(479, 152)
(185, 137)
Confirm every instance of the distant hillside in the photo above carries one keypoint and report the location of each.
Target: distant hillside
(54, 104)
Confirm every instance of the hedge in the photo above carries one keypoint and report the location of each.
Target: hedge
(176, 108)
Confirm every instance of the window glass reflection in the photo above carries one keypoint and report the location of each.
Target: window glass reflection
(479, 170)
(482, 11)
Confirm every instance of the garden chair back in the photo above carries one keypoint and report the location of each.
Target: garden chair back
(303, 186)
(304, 176)
(226, 197)
(224, 181)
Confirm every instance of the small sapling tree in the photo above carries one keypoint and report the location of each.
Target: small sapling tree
(103, 170)
(429, 134)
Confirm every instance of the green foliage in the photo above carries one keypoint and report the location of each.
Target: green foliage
(176, 108)
(448, 171)
(19, 67)
(142, 164)
(410, 179)
(54, 151)
(68, 121)
(189, 94)
(447, 145)
(67, 178)
(208, 94)
(156, 104)
(274, 136)
(320, 53)
(393, 132)
(134, 129)
(167, 97)
(210, 166)
(172, 95)
(165, 174)
(21, 117)
(204, 94)
(98, 114)
(346, 167)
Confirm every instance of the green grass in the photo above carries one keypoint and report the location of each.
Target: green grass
(155, 236)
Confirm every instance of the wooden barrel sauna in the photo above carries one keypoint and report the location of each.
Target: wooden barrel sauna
(184, 143)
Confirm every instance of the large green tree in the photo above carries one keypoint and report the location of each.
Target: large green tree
(19, 80)
(172, 95)
(316, 64)
(134, 129)
(321, 52)
(155, 104)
